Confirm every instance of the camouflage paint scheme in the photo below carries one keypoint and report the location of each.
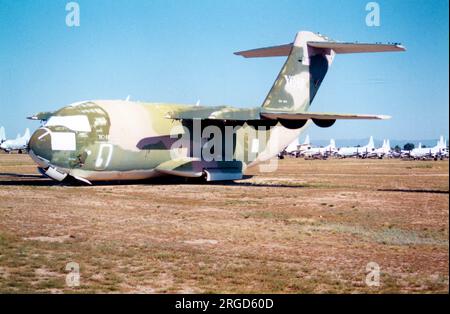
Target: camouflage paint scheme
(138, 137)
(127, 140)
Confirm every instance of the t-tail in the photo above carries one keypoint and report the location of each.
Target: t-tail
(309, 58)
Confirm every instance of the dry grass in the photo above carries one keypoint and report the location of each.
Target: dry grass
(312, 226)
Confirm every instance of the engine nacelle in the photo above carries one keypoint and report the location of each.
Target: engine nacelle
(323, 123)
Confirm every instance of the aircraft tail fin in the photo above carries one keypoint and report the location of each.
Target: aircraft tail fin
(332, 144)
(388, 144)
(442, 143)
(370, 145)
(27, 133)
(2, 134)
(309, 57)
(306, 141)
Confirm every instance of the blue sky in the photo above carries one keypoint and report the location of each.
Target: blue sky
(181, 51)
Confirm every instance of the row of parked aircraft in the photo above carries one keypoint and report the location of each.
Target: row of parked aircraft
(305, 149)
(19, 144)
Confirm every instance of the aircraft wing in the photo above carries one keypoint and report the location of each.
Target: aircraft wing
(322, 116)
(256, 117)
(215, 113)
(244, 114)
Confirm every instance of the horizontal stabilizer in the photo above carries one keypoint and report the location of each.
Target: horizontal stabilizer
(337, 47)
(322, 116)
(275, 51)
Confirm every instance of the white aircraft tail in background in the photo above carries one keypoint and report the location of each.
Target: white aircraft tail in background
(382, 151)
(306, 142)
(356, 151)
(437, 152)
(20, 143)
(442, 143)
(295, 148)
(370, 145)
(321, 152)
(2, 135)
(333, 144)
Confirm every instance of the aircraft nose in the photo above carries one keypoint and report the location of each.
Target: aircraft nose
(40, 145)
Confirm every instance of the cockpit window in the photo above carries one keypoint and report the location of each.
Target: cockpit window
(79, 123)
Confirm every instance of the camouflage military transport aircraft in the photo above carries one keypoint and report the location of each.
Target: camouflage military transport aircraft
(104, 140)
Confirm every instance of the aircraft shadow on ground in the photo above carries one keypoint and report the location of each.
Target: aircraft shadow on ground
(6, 179)
(24, 180)
(414, 191)
(173, 180)
(19, 175)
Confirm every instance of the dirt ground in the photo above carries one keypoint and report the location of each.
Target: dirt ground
(310, 227)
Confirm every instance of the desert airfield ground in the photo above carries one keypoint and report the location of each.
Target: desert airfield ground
(310, 227)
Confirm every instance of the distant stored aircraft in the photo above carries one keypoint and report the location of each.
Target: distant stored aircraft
(356, 151)
(102, 140)
(19, 144)
(321, 152)
(439, 151)
(295, 148)
(383, 151)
